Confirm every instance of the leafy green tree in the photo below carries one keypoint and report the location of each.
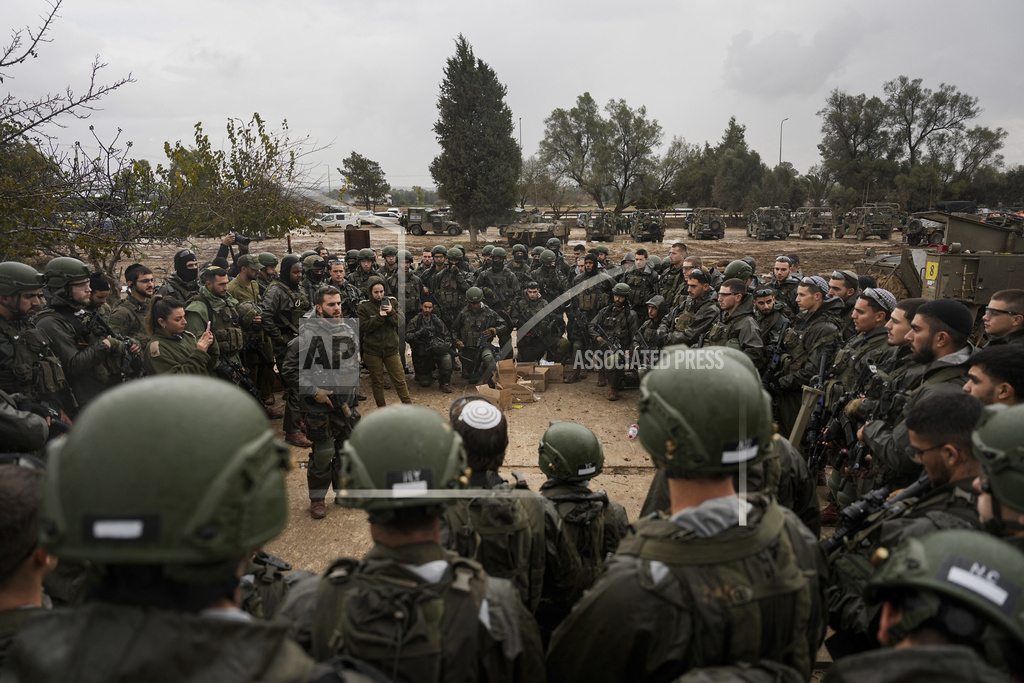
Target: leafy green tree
(626, 152)
(853, 136)
(478, 169)
(572, 146)
(739, 171)
(915, 113)
(659, 187)
(783, 186)
(960, 156)
(695, 181)
(365, 178)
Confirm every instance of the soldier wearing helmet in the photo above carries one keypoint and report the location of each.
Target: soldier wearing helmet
(352, 261)
(366, 269)
(456, 621)
(571, 455)
(519, 265)
(268, 271)
(437, 254)
(313, 269)
(999, 446)
(90, 357)
(475, 327)
(553, 283)
(390, 254)
(535, 257)
(951, 611)
(613, 330)
(554, 245)
(407, 288)
(539, 333)
(675, 581)
(448, 286)
(593, 291)
(169, 564)
(28, 362)
(501, 291)
(258, 352)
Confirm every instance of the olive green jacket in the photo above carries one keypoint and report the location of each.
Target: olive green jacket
(933, 663)
(378, 334)
(739, 330)
(129, 319)
(177, 355)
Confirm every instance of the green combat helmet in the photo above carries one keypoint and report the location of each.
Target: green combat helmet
(547, 256)
(455, 254)
(267, 259)
(366, 255)
(621, 289)
(655, 262)
(730, 426)
(498, 253)
(389, 251)
(211, 500)
(306, 254)
(520, 249)
(486, 251)
(405, 256)
(18, 277)
(380, 457)
(738, 269)
(474, 295)
(313, 262)
(975, 571)
(439, 249)
(537, 251)
(63, 271)
(603, 249)
(352, 254)
(553, 243)
(570, 452)
(999, 446)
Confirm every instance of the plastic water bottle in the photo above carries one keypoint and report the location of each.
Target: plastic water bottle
(633, 430)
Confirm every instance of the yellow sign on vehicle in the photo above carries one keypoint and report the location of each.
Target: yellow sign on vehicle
(932, 271)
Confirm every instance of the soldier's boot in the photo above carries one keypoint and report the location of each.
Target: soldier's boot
(613, 394)
(573, 376)
(602, 379)
(317, 509)
(297, 439)
(446, 388)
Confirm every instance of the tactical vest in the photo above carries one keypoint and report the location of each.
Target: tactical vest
(300, 304)
(582, 514)
(29, 365)
(750, 596)
(225, 324)
(641, 287)
(445, 286)
(411, 630)
(616, 324)
(475, 323)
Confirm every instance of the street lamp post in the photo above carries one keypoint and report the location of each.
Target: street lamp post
(780, 139)
(328, 177)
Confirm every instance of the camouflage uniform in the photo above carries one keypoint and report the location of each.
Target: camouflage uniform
(620, 323)
(128, 318)
(449, 289)
(544, 336)
(596, 293)
(552, 282)
(225, 324)
(771, 325)
(258, 354)
(672, 285)
(407, 289)
(785, 294)
(500, 293)
(29, 365)
(643, 284)
(431, 349)
(469, 328)
(285, 307)
(937, 663)
(689, 320)
(179, 289)
(739, 330)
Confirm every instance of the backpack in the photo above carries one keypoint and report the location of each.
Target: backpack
(266, 582)
(383, 614)
(583, 520)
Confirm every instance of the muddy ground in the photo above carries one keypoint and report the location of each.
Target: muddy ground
(313, 544)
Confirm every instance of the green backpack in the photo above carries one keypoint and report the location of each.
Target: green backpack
(266, 582)
(583, 520)
(383, 614)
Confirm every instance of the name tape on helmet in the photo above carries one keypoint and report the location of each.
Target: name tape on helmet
(735, 452)
(586, 468)
(410, 483)
(121, 529)
(980, 580)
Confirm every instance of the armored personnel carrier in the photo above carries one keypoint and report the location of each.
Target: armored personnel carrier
(706, 223)
(598, 226)
(533, 230)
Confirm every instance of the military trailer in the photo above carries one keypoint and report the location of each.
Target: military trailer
(419, 220)
(706, 223)
(647, 226)
(598, 226)
(871, 220)
(769, 222)
(813, 220)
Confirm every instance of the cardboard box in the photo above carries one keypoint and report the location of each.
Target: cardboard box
(499, 397)
(539, 378)
(524, 370)
(522, 392)
(506, 372)
(555, 372)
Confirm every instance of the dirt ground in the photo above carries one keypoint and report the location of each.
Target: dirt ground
(310, 544)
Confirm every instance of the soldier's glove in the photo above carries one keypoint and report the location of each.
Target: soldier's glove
(116, 347)
(490, 333)
(852, 406)
(323, 396)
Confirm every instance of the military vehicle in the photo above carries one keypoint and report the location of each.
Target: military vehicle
(534, 231)
(871, 220)
(769, 222)
(973, 260)
(647, 226)
(706, 223)
(813, 220)
(598, 226)
(419, 220)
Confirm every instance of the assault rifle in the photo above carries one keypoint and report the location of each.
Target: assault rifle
(769, 378)
(814, 422)
(854, 516)
(444, 313)
(612, 343)
(237, 375)
(44, 409)
(131, 363)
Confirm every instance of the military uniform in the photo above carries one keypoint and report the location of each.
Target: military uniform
(785, 293)
(689, 320)
(643, 284)
(739, 330)
(29, 365)
(378, 344)
(620, 323)
(672, 285)
(431, 349)
(468, 328)
(175, 287)
(258, 353)
(177, 354)
(285, 307)
(225, 324)
(128, 318)
(935, 663)
(847, 329)
(596, 293)
(771, 325)
(448, 288)
(544, 336)
(667, 602)
(1012, 338)
(500, 294)
(551, 280)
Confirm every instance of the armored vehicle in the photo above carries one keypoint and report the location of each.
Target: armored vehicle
(813, 220)
(769, 222)
(706, 224)
(419, 220)
(534, 231)
(647, 226)
(598, 226)
(871, 220)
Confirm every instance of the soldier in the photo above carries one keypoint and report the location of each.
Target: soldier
(99, 295)
(448, 287)
(183, 283)
(940, 429)
(390, 269)
(92, 359)
(268, 272)
(258, 352)
(540, 335)
(217, 311)
(367, 269)
(173, 350)
(169, 563)
(662, 605)
(642, 281)
(285, 303)
(647, 334)
(950, 612)
(807, 348)
(535, 257)
(785, 284)
(501, 288)
(602, 252)
(555, 245)
(431, 344)
(313, 268)
(1004, 317)
(844, 285)
(330, 411)
(28, 363)
(405, 286)
(672, 283)
(593, 293)
(735, 326)
(742, 270)
(692, 317)
(350, 297)
(771, 317)
(352, 261)
(458, 623)
(570, 455)
(518, 265)
(998, 446)
(553, 283)
(514, 533)
(437, 254)
(938, 337)
(613, 329)
(380, 318)
(128, 317)
(474, 329)
(996, 375)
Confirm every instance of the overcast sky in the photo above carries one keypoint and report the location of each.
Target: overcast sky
(364, 75)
